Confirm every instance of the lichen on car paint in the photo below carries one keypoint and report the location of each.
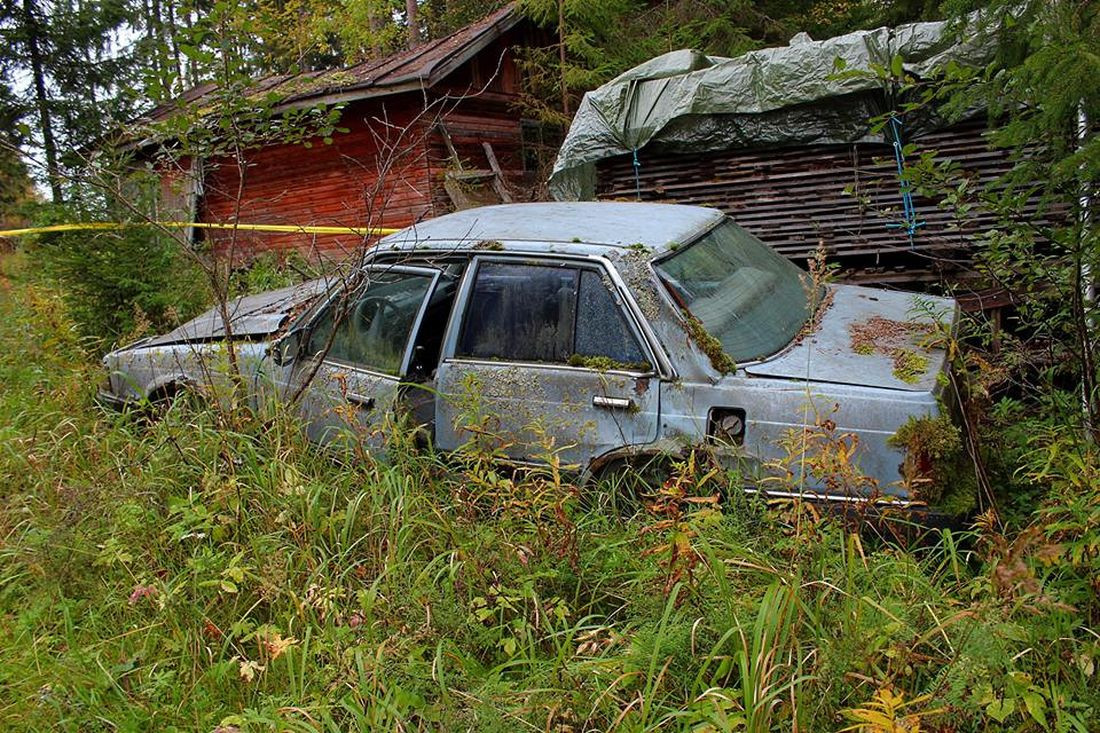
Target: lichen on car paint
(909, 365)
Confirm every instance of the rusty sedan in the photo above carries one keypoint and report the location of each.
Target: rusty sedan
(612, 332)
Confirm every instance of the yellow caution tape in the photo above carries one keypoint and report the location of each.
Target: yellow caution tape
(283, 228)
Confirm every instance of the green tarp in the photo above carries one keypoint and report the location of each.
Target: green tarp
(688, 101)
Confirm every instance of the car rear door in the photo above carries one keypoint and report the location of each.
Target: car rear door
(356, 352)
(543, 358)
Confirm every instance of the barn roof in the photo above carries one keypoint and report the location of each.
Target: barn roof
(416, 68)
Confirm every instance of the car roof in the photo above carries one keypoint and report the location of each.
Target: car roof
(580, 226)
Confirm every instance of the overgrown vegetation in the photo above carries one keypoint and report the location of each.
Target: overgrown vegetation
(123, 283)
(937, 469)
(606, 363)
(213, 569)
(722, 362)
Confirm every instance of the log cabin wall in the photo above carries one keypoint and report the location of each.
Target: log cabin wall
(479, 101)
(482, 109)
(846, 196)
(374, 175)
(388, 169)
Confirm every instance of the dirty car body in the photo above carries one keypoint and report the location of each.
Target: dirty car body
(604, 333)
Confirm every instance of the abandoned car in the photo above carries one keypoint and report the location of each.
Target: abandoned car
(608, 333)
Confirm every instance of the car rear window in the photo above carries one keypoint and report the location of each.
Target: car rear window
(753, 300)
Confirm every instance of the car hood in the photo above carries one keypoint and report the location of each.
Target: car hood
(250, 317)
(870, 337)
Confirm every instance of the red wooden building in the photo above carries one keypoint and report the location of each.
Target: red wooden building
(429, 130)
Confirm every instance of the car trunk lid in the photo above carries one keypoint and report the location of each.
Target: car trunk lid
(872, 338)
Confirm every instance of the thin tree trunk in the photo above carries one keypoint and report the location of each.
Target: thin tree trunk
(414, 28)
(42, 102)
(154, 46)
(173, 31)
(191, 73)
(161, 47)
(92, 62)
(375, 25)
(561, 59)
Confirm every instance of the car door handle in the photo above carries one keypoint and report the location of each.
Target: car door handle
(364, 403)
(613, 403)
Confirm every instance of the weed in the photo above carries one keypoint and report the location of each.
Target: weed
(887, 712)
(213, 570)
(820, 458)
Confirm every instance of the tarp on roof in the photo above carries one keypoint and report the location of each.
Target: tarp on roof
(686, 100)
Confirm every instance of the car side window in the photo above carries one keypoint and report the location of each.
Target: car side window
(372, 329)
(545, 313)
(602, 329)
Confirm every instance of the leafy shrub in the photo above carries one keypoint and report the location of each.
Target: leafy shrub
(118, 283)
(270, 271)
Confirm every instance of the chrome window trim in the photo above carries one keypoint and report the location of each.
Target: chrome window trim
(556, 366)
(810, 495)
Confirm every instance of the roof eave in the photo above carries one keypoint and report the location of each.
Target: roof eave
(442, 68)
(413, 82)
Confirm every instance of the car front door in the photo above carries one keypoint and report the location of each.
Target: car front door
(356, 352)
(544, 360)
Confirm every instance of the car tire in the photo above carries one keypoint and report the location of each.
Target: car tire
(164, 398)
(624, 484)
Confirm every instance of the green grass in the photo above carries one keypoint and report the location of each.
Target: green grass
(215, 569)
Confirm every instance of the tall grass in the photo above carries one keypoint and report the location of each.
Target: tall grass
(214, 569)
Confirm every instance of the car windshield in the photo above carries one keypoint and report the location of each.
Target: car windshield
(753, 300)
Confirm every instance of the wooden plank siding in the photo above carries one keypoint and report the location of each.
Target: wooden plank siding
(386, 171)
(846, 196)
(325, 185)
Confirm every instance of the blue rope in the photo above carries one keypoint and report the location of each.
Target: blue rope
(909, 219)
(637, 177)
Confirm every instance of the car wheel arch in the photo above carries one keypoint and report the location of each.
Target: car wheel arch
(635, 457)
(167, 387)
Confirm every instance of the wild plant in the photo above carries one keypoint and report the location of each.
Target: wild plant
(541, 496)
(680, 510)
(768, 660)
(889, 712)
(819, 459)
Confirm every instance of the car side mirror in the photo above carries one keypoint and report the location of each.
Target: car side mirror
(288, 348)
